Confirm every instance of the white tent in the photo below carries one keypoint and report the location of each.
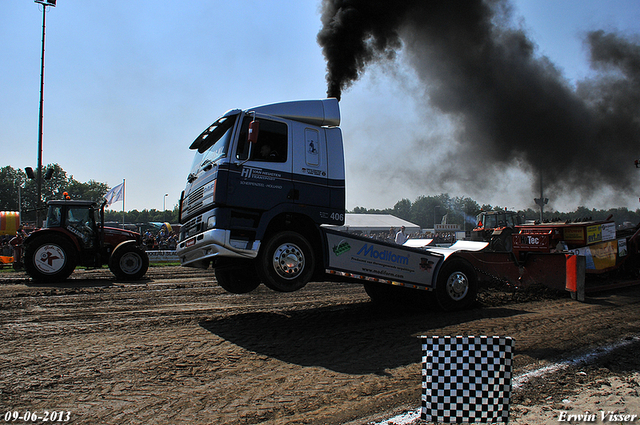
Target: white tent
(367, 224)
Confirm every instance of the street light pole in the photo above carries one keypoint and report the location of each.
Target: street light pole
(164, 208)
(44, 4)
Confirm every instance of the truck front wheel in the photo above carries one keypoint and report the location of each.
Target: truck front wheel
(457, 285)
(50, 258)
(128, 262)
(287, 262)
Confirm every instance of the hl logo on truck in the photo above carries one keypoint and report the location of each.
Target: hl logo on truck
(259, 173)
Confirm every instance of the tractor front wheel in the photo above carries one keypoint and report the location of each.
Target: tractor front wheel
(128, 262)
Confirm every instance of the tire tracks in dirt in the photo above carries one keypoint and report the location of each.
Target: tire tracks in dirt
(178, 349)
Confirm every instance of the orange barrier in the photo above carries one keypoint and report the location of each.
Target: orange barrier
(572, 273)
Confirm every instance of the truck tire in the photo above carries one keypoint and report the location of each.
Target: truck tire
(457, 285)
(287, 262)
(237, 278)
(50, 258)
(128, 262)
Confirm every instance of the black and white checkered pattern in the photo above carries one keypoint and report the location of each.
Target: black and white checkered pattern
(466, 378)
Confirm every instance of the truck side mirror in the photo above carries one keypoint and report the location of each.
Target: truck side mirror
(254, 128)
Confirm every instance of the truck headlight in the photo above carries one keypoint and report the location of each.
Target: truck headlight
(211, 222)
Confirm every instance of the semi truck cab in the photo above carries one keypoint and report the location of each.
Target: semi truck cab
(272, 172)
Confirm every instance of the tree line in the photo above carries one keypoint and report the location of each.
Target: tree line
(426, 211)
(18, 193)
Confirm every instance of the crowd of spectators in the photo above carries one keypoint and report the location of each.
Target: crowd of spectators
(11, 246)
(162, 240)
(6, 250)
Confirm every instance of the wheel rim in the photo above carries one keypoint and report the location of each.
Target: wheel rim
(50, 259)
(130, 263)
(457, 286)
(288, 261)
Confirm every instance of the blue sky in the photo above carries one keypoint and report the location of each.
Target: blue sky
(130, 84)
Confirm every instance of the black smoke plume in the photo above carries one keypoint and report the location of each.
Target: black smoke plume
(509, 104)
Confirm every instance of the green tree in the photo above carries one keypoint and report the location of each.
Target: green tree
(12, 183)
(92, 190)
(427, 210)
(402, 209)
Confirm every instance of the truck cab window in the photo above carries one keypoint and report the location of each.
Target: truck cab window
(213, 143)
(272, 141)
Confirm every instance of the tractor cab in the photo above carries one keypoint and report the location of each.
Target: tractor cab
(78, 218)
(496, 227)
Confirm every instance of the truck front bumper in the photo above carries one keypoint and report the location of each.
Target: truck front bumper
(199, 250)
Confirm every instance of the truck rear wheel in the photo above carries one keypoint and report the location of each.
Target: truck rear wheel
(287, 262)
(50, 258)
(239, 278)
(128, 262)
(457, 285)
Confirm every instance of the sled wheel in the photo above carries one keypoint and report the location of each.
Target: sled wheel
(457, 286)
(287, 262)
(128, 262)
(237, 278)
(50, 258)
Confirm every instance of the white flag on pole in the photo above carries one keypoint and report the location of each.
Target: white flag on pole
(114, 195)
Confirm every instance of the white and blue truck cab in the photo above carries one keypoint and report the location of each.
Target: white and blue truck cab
(262, 181)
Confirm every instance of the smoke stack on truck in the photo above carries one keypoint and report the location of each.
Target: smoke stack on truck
(263, 183)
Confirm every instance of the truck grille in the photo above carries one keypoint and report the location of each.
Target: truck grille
(190, 228)
(194, 201)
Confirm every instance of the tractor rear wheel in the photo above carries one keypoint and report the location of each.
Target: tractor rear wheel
(50, 258)
(502, 242)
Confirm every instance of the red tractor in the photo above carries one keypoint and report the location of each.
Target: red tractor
(74, 235)
(496, 227)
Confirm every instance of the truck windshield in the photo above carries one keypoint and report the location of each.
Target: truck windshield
(213, 143)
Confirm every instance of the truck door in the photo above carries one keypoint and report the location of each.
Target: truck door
(310, 167)
(260, 178)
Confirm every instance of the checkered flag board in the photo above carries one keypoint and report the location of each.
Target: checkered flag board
(466, 379)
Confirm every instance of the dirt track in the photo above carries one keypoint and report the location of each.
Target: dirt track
(178, 349)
